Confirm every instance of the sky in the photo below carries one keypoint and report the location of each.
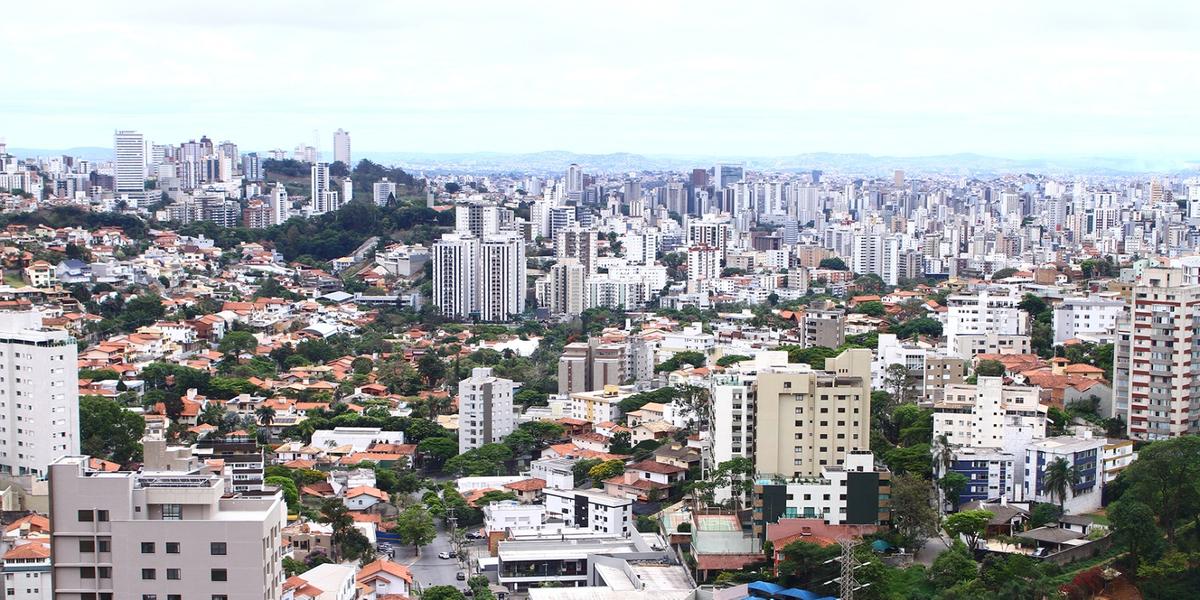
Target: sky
(1013, 79)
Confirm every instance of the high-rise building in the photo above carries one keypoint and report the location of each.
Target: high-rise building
(703, 267)
(791, 419)
(878, 254)
(574, 183)
(1164, 398)
(39, 419)
(476, 218)
(898, 178)
(568, 278)
(577, 243)
(281, 206)
(987, 322)
(727, 174)
(189, 537)
(501, 280)
(129, 156)
(252, 167)
(383, 191)
(341, 148)
(485, 409)
(318, 183)
(455, 274)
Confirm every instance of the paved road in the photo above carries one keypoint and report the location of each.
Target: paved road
(932, 548)
(429, 570)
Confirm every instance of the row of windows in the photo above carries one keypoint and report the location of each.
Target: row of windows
(214, 548)
(148, 574)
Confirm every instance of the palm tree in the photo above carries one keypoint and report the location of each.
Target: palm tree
(266, 416)
(1059, 479)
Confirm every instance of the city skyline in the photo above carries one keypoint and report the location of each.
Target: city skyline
(1021, 81)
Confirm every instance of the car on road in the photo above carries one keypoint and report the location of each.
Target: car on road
(474, 535)
(460, 576)
(443, 555)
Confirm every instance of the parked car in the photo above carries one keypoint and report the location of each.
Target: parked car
(444, 555)
(461, 576)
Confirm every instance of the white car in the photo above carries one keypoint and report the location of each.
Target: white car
(443, 555)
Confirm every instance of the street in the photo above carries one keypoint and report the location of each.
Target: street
(429, 570)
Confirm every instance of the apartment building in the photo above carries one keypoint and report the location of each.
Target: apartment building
(825, 328)
(1163, 384)
(39, 394)
(601, 405)
(990, 414)
(161, 534)
(592, 510)
(855, 493)
(990, 474)
(986, 322)
(1091, 318)
(1083, 453)
(807, 419)
(485, 409)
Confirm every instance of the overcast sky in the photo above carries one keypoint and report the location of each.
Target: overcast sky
(1016, 79)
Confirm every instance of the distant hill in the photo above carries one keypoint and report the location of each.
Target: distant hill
(556, 161)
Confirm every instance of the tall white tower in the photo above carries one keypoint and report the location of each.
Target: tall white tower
(341, 147)
(129, 155)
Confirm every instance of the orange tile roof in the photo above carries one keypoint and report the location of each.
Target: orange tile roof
(373, 570)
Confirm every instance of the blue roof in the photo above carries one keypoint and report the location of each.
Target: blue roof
(798, 593)
(765, 587)
(880, 545)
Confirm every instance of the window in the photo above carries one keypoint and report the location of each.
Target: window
(149, 596)
(216, 548)
(174, 596)
(219, 597)
(219, 575)
(172, 512)
(87, 545)
(87, 572)
(173, 574)
(86, 516)
(149, 574)
(147, 547)
(105, 545)
(102, 515)
(104, 572)
(172, 547)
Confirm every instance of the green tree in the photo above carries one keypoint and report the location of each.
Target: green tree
(1134, 530)
(606, 470)
(582, 468)
(953, 566)
(897, 380)
(266, 418)
(969, 524)
(1164, 478)
(833, 264)
(620, 443)
(362, 365)
(415, 527)
(1003, 273)
(341, 524)
(730, 359)
(108, 431)
(989, 368)
(953, 484)
(1059, 480)
(435, 451)
(543, 431)
(237, 342)
(913, 514)
(1043, 513)
(443, 592)
(871, 309)
(291, 495)
(432, 370)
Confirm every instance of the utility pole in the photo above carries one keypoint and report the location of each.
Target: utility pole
(847, 585)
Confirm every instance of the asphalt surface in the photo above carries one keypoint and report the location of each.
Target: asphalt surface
(429, 570)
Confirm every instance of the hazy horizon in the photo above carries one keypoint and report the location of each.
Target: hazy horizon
(1019, 81)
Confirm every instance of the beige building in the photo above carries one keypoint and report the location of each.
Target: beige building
(808, 420)
(825, 328)
(600, 405)
(161, 534)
